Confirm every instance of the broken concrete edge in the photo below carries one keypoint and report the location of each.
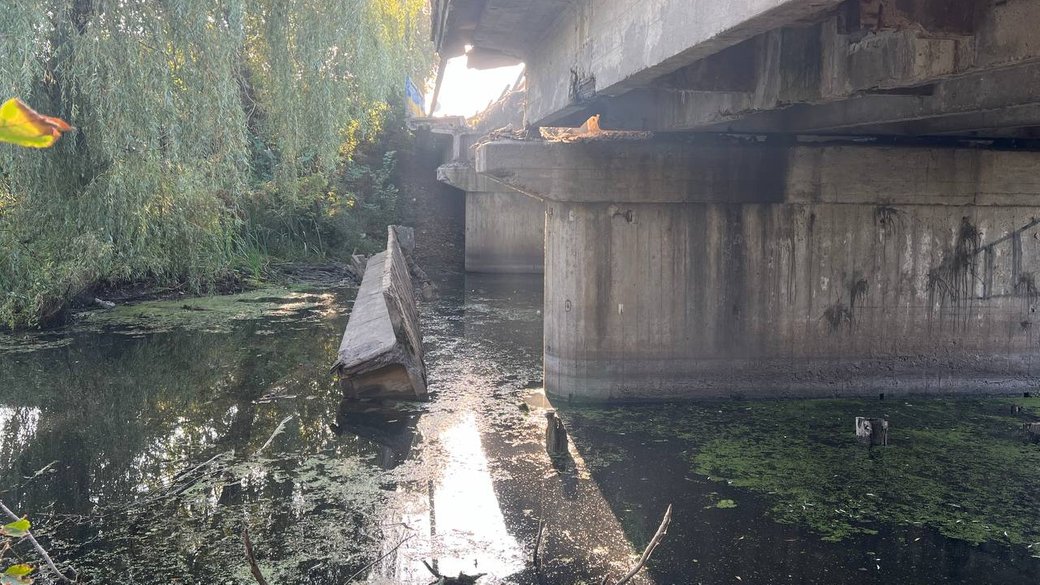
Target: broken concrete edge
(381, 353)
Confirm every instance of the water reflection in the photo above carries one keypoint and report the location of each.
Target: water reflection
(140, 456)
(458, 520)
(473, 499)
(142, 451)
(390, 425)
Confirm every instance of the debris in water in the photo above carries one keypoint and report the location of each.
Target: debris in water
(872, 431)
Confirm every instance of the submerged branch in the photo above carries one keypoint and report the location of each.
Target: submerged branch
(538, 544)
(388, 553)
(254, 568)
(656, 540)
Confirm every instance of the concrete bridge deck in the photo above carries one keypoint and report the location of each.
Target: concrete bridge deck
(841, 196)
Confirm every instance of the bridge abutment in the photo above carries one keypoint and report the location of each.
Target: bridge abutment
(708, 268)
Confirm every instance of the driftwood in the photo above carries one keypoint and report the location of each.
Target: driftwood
(462, 579)
(662, 530)
(872, 431)
(386, 554)
(535, 558)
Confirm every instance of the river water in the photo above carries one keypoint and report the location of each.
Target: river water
(141, 441)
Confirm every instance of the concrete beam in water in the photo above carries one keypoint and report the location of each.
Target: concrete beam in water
(686, 270)
(381, 354)
(505, 229)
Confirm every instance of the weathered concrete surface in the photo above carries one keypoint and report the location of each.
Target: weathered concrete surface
(381, 354)
(505, 233)
(710, 169)
(788, 300)
(924, 61)
(903, 68)
(505, 229)
(896, 270)
(613, 47)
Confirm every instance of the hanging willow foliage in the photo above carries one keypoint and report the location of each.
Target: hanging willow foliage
(185, 110)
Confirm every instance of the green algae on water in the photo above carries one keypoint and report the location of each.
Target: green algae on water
(961, 467)
(214, 313)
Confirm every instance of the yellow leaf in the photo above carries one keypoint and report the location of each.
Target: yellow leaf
(21, 125)
(16, 575)
(19, 570)
(16, 529)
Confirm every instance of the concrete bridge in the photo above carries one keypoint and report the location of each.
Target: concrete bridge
(839, 197)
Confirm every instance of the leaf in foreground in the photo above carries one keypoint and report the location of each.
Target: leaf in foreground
(16, 529)
(16, 575)
(24, 126)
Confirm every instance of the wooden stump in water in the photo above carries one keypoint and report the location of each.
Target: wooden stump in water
(555, 435)
(1032, 431)
(872, 431)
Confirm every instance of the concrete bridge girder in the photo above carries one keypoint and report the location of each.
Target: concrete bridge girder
(789, 271)
(744, 66)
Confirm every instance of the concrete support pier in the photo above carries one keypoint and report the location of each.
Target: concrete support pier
(717, 267)
(505, 229)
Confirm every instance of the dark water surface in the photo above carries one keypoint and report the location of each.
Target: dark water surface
(142, 441)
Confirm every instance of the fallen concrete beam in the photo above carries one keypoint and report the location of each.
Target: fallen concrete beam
(381, 355)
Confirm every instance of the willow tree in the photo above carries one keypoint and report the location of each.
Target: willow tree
(185, 109)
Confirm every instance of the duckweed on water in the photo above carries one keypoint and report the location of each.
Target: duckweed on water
(961, 467)
(216, 312)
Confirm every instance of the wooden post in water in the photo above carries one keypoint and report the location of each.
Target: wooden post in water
(872, 431)
(1032, 431)
(555, 435)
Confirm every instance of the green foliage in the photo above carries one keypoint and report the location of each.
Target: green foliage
(198, 122)
(18, 573)
(331, 215)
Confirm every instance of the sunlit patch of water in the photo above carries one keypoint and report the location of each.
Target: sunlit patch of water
(457, 525)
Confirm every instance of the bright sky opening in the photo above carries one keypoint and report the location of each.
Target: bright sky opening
(466, 92)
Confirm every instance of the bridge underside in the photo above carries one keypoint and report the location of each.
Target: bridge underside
(840, 197)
